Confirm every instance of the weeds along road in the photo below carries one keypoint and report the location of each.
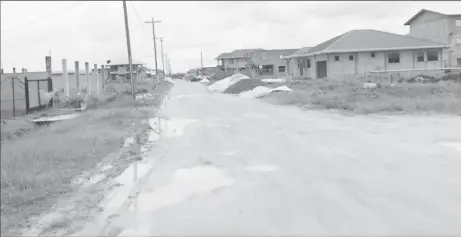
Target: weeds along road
(236, 166)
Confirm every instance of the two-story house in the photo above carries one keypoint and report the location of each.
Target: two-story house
(236, 60)
(441, 28)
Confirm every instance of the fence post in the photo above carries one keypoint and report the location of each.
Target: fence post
(50, 89)
(66, 76)
(14, 101)
(48, 66)
(103, 81)
(77, 75)
(87, 78)
(96, 77)
(26, 94)
(38, 89)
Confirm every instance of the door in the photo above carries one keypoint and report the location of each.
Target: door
(321, 69)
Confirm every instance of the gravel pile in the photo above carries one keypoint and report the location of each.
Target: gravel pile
(243, 85)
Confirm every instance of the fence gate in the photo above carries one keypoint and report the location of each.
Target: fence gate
(33, 89)
(12, 102)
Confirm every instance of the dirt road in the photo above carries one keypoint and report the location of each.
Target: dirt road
(235, 166)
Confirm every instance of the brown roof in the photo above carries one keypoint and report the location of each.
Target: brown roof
(419, 14)
(269, 57)
(239, 53)
(371, 40)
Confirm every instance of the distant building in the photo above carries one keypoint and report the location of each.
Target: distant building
(120, 69)
(441, 28)
(359, 51)
(269, 62)
(236, 60)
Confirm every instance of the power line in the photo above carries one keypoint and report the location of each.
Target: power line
(44, 17)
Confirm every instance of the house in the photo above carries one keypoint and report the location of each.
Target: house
(236, 60)
(269, 62)
(119, 69)
(289, 62)
(441, 28)
(360, 51)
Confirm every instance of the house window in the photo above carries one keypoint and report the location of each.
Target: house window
(372, 54)
(432, 55)
(308, 63)
(458, 61)
(420, 57)
(336, 58)
(458, 22)
(281, 68)
(351, 57)
(393, 58)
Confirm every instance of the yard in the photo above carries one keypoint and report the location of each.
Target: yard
(39, 163)
(350, 95)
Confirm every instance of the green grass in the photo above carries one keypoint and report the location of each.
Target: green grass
(38, 166)
(349, 95)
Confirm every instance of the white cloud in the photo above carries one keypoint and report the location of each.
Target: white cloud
(94, 31)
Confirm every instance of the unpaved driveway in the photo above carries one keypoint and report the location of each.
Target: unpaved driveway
(235, 166)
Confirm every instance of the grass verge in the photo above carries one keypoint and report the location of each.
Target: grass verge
(349, 95)
(37, 168)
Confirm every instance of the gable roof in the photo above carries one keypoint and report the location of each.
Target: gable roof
(300, 52)
(238, 53)
(371, 40)
(419, 14)
(268, 57)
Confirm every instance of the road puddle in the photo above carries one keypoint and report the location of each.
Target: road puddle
(176, 127)
(263, 168)
(183, 184)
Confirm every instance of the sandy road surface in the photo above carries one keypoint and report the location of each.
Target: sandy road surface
(235, 166)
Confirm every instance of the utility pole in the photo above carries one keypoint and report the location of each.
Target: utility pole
(128, 44)
(155, 45)
(163, 61)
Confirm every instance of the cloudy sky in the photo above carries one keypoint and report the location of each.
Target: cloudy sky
(95, 31)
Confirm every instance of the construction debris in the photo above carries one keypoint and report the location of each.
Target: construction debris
(243, 85)
(274, 80)
(223, 84)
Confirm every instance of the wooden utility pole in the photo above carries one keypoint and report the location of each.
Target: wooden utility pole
(128, 44)
(155, 45)
(163, 61)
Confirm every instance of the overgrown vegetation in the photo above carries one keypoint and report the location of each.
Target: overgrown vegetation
(350, 95)
(37, 167)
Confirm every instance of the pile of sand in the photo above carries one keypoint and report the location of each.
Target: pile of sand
(243, 85)
(223, 84)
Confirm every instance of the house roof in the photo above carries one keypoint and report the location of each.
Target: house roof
(268, 57)
(370, 40)
(239, 53)
(424, 11)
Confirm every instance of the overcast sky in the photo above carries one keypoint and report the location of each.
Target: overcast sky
(95, 31)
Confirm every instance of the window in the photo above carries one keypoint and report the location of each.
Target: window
(351, 57)
(336, 58)
(458, 22)
(420, 57)
(372, 54)
(458, 61)
(281, 68)
(393, 58)
(432, 55)
(308, 63)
